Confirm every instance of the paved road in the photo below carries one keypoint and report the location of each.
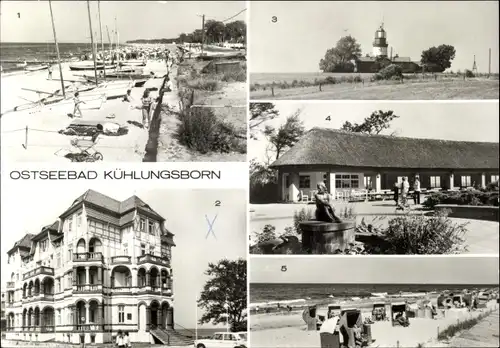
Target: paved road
(484, 334)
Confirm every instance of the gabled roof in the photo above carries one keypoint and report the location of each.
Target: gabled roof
(24, 242)
(322, 146)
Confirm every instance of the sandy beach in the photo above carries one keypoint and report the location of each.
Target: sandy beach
(44, 143)
(289, 330)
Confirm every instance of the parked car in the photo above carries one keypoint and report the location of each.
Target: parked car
(223, 340)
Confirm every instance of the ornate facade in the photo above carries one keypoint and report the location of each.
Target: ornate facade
(103, 266)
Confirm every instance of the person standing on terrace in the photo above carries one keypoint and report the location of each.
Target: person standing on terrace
(416, 189)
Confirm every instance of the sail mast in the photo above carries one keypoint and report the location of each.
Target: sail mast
(92, 42)
(57, 50)
(102, 43)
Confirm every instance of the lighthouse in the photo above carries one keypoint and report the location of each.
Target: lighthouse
(380, 42)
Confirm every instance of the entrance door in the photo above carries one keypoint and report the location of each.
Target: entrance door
(154, 317)
(170, 317)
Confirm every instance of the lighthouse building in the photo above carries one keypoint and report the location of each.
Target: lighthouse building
(380, 43)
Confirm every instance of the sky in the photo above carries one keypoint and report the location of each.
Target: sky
(376, 270)
(135, 19)
(304, 30)
(184, 211)
(470, 121)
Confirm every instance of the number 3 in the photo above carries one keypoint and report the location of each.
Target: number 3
(274, 19)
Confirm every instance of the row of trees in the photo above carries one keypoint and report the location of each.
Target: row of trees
(341, 58)
(287, 134)
(215, 32)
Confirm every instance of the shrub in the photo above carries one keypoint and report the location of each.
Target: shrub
(267, 233)
(468, 73)
(417, 234)
(201, 130)
(469, 197)
(204, 84)
(389, 72)
(492, 186)
(299, 216)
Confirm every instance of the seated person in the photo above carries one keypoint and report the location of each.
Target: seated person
(324, 209)
(358, 339)
(128, 96)
(402, 320)
(83, 142)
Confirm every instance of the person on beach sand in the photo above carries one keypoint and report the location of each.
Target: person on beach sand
(324, 209)
(146, 108)
(77, 101)
(169, 86)
(50, 72)
(128, 96)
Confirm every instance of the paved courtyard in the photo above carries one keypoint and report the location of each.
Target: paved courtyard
(481, 237)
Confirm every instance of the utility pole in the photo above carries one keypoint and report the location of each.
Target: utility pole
(489, 62)
(102, 43)
(57, 50)
(202, 32)
(92, 42)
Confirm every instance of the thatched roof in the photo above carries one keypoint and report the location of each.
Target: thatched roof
(322, 146)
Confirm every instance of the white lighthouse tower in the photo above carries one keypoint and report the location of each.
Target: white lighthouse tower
(380, 42)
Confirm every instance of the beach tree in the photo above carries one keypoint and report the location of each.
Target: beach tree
(438, 58)
(340, 57)
(374, 124)
(235, 31)
(286, 135)
(214, 31)
(260, 113)
(224, 295)
(183, 37)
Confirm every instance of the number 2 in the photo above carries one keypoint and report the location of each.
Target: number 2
(217, 203)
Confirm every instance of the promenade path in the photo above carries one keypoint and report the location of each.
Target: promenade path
(484, 334)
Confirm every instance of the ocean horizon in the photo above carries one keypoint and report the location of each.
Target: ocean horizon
(266, 292)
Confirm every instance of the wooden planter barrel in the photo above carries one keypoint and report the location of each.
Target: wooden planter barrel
(327, 237)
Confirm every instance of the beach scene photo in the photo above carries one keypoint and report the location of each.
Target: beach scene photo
(376, 178)
(365, 50)
(154, 81)
(374, 302)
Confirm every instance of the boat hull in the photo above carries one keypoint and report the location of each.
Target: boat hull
(82, 67)
(36, 68)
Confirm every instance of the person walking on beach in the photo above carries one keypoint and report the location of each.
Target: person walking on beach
(77, 101)
(50, 72)
(146, 108)
(416, 189)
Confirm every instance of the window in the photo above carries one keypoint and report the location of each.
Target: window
(121, 314)
(151, 250)
(79, 219)
(58, 319)
(287, 181)
(129, 316)
(143, 249)
(218, 337)
(435, 182)
(494, 178)
(70, 224)
(70, 279)
(58, 260)
(151, 227)
(70, 254)
(368, 182)
(142, 225)
(43, 245)
(125, 249)
(58, 282)
(304, 182)
(165, 251)
(465, 181)
(347, 181)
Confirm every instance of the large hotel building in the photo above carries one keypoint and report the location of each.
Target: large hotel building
(103, 266)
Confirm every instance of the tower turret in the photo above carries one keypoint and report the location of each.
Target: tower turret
(380, 42)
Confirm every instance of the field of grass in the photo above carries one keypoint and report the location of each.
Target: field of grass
(443, 87)
(266, 78)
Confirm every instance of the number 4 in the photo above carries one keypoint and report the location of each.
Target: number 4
(328, 118)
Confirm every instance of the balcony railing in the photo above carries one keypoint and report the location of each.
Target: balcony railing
(89, 327)
(121, 259)
(81, 257)
(148, 258)
(121, 289)
(39, 270)
(88, 288)
(48, 329)
(11, 285)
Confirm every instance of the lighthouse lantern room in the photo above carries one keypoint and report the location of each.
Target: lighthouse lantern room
(380, 43)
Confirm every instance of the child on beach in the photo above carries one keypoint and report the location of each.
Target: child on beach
(128, 96)
(77, 101)
(146, 108)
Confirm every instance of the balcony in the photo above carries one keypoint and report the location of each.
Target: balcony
(89, 327)
(48, 329)
(39, 270)
(11, 285)
(87, 288)
(148, 258)
(121, 289)
(115, 260)
(84, 257)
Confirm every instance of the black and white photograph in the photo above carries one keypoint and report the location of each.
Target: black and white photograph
(374, 302)
(123, 81)
(115, 267)
(374, 178)
(367, 50)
